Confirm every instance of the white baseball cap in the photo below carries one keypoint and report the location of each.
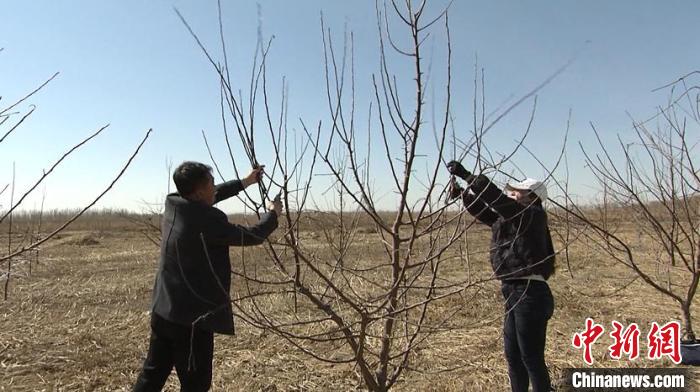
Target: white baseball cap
(532, 185)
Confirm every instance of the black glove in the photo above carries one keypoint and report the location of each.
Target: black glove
(455, 191)
(456, 169)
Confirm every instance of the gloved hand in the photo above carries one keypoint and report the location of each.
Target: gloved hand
(454, 191)
(456, 169)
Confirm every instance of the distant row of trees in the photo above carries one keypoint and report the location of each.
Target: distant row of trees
(34, 234)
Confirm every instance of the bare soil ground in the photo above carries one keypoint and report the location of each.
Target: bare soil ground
(80, 323)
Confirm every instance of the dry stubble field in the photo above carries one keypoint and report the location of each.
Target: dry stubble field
(80, 322)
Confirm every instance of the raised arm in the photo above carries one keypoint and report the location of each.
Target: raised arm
(237, 235)
(476, 207)
(227, 189)
(231, 188)
(486, 192)
(226, 233)
(494, 197)
(479, 209)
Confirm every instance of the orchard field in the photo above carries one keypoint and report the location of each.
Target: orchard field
(80, 322)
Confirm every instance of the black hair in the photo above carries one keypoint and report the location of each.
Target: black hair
(189, 176)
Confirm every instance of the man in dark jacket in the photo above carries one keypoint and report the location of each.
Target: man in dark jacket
(191, 298)
(522, 258)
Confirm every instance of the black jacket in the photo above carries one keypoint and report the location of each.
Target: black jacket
(520, 241)
(193, 281)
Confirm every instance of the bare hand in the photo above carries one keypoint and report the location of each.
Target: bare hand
(275, 205)
(254, 177)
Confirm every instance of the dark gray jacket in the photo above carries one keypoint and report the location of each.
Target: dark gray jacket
(193, 281)
(520, 241)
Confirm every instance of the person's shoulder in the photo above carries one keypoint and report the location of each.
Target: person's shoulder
(480, 181)
(191, 211)
(211, 213)
(538, 208)
(535, 210)
(174, 201)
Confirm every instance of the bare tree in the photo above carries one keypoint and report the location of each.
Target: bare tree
(331, 299)
(648, 217)
(11, 118)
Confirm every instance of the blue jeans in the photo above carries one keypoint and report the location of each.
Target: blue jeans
(529, 305)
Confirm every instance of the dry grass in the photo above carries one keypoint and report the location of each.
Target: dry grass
(80, 322)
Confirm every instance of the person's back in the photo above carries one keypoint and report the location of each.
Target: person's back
(522, 258)
(522, 245)
(191, 292)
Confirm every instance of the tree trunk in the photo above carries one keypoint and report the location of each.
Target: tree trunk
(688, 333)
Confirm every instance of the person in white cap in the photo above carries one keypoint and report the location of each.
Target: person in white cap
(522, 258)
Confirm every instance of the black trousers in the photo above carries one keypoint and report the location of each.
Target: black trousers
(170, 346)
(529, 306)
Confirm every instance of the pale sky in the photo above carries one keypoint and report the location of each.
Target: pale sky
(132, 64)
